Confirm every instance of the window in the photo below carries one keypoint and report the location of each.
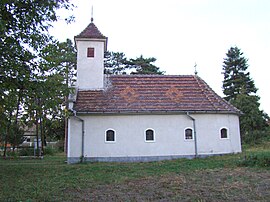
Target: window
(149, 135)
(188, 134)
(110, 136)
(224, 133)
(90, 52)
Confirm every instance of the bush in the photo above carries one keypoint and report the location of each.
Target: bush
(60, 145)
(11, 154)
(260, 160)
(30, 151)
(256, 137)
(26, 152)
(49, 150)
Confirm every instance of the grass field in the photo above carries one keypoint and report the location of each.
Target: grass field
(211, 179)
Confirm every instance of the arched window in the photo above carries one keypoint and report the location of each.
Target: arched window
(110, 136)
(224, 133)
(188, 134)
(149, 135)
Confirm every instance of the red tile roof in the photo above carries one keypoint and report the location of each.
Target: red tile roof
(152, 93)
(91, 31)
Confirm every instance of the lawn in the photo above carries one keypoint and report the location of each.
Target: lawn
(218, 178)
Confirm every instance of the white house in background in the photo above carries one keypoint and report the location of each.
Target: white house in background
(144, 117)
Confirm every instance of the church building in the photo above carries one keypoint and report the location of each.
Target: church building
(131, 118)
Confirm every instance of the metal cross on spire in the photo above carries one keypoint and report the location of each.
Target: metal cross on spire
(195, 67)
(92, 14)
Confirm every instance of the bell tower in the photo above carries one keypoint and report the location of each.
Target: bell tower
(91, 45)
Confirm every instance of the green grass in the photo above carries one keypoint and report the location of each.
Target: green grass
(217, 178)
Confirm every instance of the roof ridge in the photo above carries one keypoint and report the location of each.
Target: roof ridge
(146, 75)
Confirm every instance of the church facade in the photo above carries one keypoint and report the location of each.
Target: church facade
(143, 117)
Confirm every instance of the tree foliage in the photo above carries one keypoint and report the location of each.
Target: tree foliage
(253, 119)
(143, 65)
(117, 63)
(31, 84)
(239, 89)
(236, 78)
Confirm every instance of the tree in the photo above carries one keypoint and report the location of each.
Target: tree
(239, 89)
(57, 65)
(62, 58)
(143, 65)
(115, 63)
(23, 34)
(236, 78)
(252, 119)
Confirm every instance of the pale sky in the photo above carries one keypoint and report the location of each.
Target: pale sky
(180, 33)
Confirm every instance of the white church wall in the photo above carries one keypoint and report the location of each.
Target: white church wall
(169, 140)
(74, 139)
(209, 138)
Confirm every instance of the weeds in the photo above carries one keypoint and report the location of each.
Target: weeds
(256, 159)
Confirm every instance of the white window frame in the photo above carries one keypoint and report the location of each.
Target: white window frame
(110, 142)
(228, 133)
(154, 135)
(192, 134)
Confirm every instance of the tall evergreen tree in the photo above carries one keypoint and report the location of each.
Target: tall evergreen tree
(239, 89)
(236, 78)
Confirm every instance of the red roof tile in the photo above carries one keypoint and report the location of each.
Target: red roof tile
(91, 31)
(152, 93)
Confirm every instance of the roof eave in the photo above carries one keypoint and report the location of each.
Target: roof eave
(157, 112)
(105, 40)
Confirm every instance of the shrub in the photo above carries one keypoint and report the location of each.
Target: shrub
(26, 152)
(49, 150)
(60, 145)
(260, 160)
(12, 154)
(256, 137)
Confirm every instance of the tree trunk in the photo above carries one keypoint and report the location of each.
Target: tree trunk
(66, 120)
(7, 135)
(37, 134)
(5, 144)
(66, 135)
(41, 136)
(16, 120)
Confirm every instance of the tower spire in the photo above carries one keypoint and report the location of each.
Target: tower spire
(92, 18)
(195, 68)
